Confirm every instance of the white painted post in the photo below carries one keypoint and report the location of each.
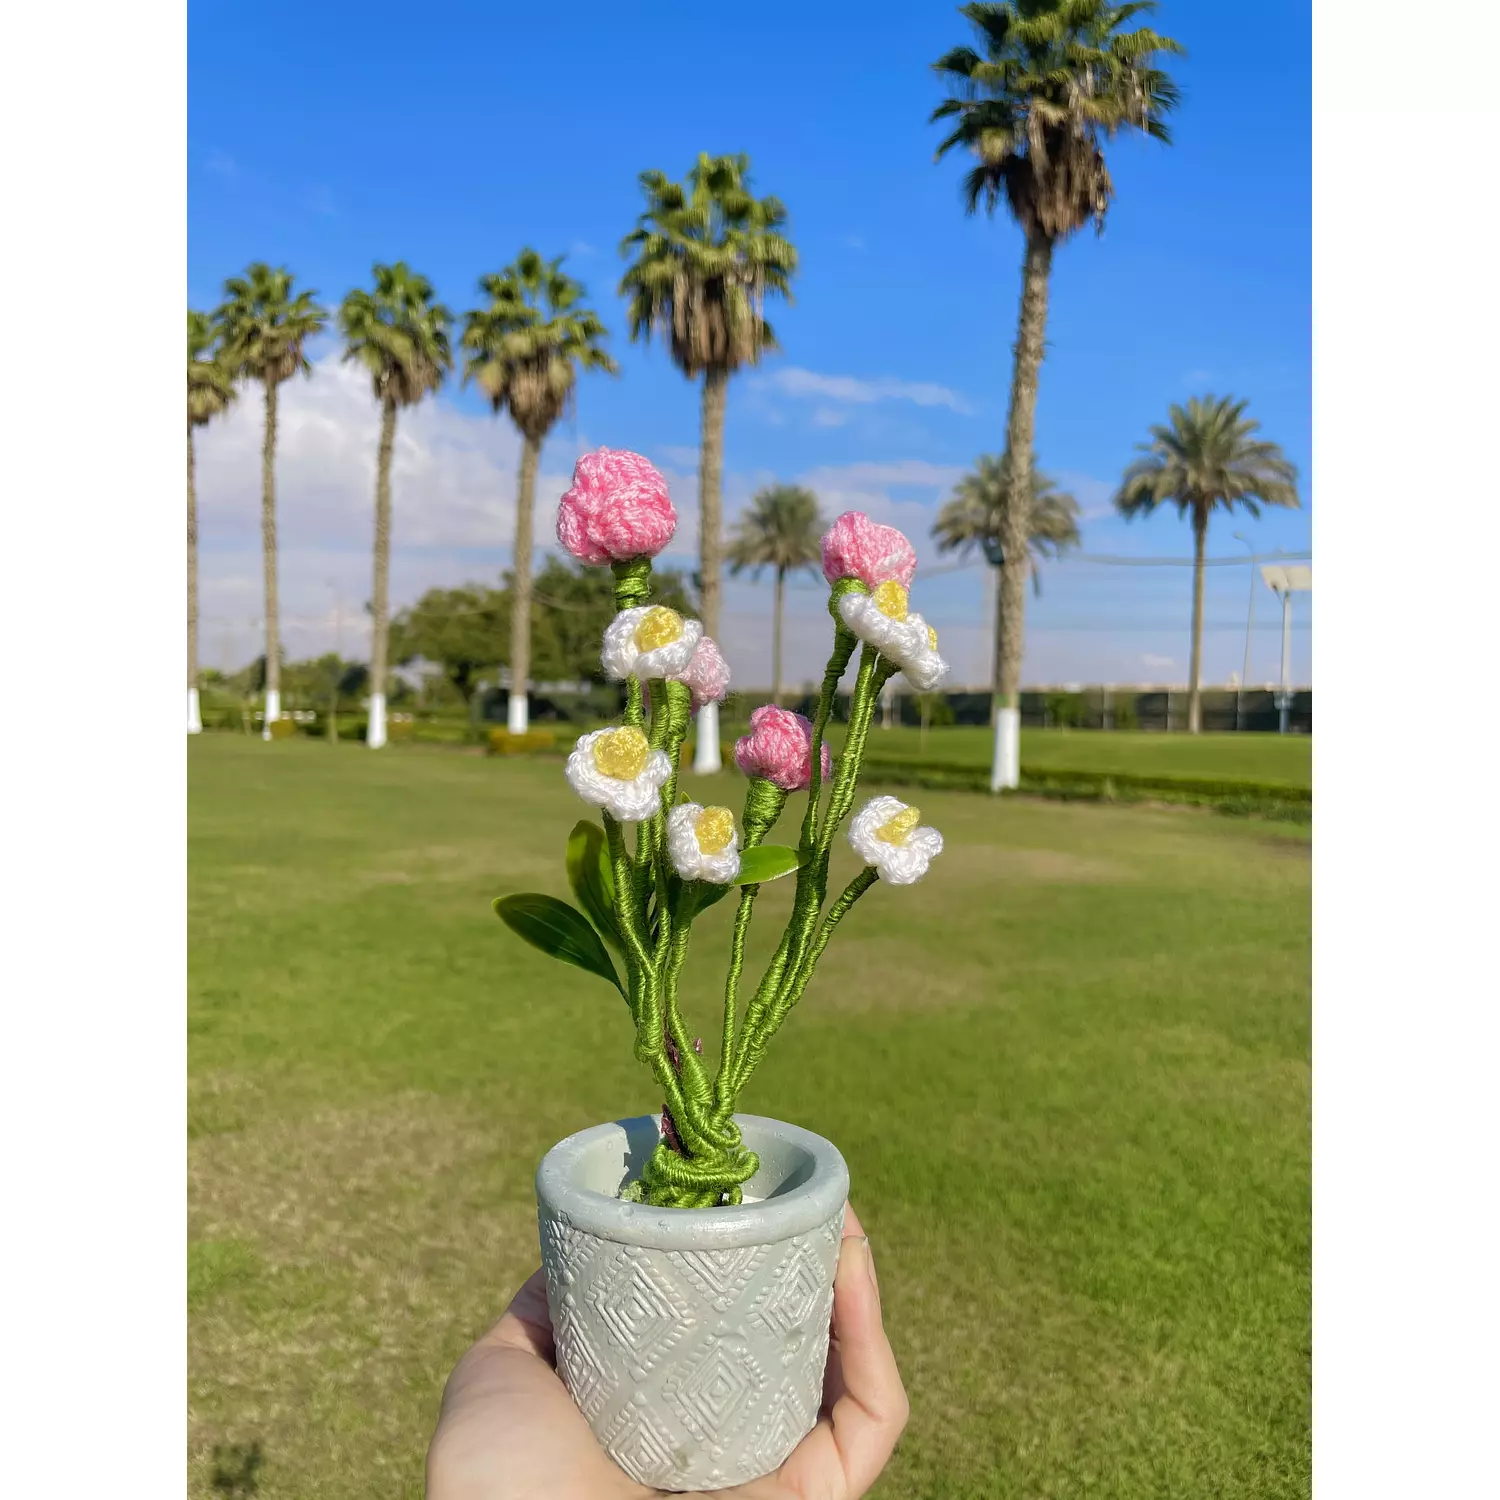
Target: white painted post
(1005, 768)
(195, 723)
(706, 751)
(375, 730)
(273, 712)
(518, 712)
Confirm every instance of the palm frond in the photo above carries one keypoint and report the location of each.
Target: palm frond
(210, 380)
(780, 529)
(262, 328)
(1046, 83)
(525, 348)
(1206, 457)
(975, 515)
(704, 257)
(398, 333)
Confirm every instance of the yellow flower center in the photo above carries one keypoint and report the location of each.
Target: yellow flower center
(890, 599)
(898, 830)
(621, 753)
(714, 829)
(659, 626)
(932, 637)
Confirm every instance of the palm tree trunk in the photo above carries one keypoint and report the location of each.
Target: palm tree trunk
(518, 716)
(995, 676)
(710, 481)
(1195, 700)
(268, 553)
(381, 602)
(195, 721)
(1015, 524)
(776, 637)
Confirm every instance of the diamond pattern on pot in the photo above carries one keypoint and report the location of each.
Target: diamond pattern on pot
(713, 1394)
(570, 1249)
(798, 1293)
(696, 1369)
(640, 1444)
(720, 1275)
(787, 1420)
(582, 1370)
(642, 1312)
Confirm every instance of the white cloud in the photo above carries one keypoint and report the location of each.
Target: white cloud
(854, 241)
(453, 488)
(582, 249)
(829, 416)
(855, 390)
(221, 164)
(453, 496)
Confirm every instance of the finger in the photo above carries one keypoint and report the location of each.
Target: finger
(853, 1229)
(527, 1323)
(869, 1406)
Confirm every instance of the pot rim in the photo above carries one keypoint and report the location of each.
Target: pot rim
(801, 1209)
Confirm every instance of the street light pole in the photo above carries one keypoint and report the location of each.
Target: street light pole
(1239, 697)
(1286, 581)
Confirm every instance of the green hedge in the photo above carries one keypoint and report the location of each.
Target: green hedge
(1259, 798)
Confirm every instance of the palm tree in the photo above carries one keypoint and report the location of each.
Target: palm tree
(1207, 456)
(263, 331)
(781, 531)
(524, 351)
(210, 389)
(707, 253)
(976, 517)
(1053, 79)
(400, 335)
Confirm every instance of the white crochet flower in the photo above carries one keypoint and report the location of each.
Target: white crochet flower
(883, 620)
(924, 669)
(703, 843)
(649, 641)
(617, 770)
(880, 618)
(885, 834)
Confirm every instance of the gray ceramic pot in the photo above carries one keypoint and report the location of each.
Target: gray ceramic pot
(693, 1340)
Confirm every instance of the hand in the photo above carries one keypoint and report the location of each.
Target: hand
(508, 1429)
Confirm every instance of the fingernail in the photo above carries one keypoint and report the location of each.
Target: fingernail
(863, 1241)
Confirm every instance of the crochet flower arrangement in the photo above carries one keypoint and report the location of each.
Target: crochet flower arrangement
(639, 895)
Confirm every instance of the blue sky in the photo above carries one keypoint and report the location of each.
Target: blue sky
(328, 137)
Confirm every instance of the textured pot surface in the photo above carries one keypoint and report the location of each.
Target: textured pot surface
(693, 1340)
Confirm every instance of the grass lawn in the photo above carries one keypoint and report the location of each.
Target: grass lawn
(1283, 760)
(1069, 1072)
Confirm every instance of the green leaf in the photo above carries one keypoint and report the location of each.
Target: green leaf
(708, 895)
(766, 862)
(593, 880)
(558, 929)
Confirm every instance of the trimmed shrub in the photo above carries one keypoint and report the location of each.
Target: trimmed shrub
(533, 742)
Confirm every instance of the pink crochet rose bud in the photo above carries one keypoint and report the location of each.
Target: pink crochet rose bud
(857, 547)
(617, 509)
(707, 674)
(779, 748)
